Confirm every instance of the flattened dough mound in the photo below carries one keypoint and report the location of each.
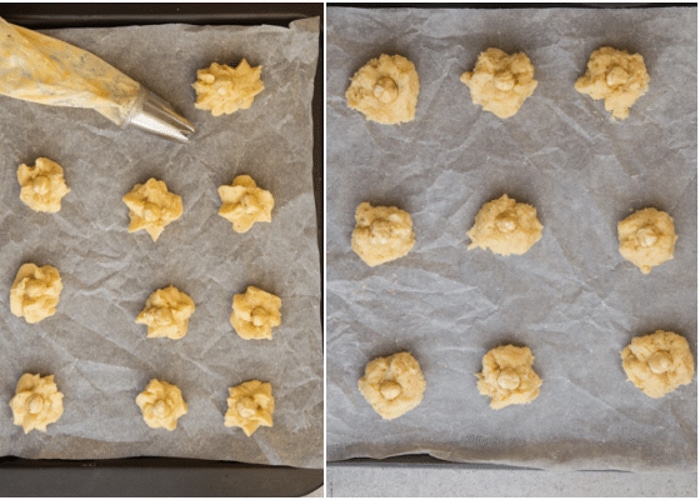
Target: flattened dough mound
(37, 402)
(244, 203)
(250, 405)
(647, 238)
(222, 89)
(616, 76)
(658, 363)
(152, 207)
(167, 313)
(161, 404)
(42, 186)
(505, 227)
(385, 90)
(35, 292)
(382, 234)
(255, 313)
(393, 385)
(500, 83)
(507, 377)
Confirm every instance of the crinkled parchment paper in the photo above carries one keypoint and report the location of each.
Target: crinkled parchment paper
(100, 357)
(572, 298)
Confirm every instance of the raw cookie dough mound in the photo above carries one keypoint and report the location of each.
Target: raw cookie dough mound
(658, 363)
(244, 203)
(222, 89)
(500, 83)
(167, 313)
(385, 90)
(37, 402)
(382, 234)
(505, 227)
(393, 385)
(42, 186)
(616, 76)
(161, 404)
(507, 377)
(250, 405)
(647, 238)
(35, 292)
(255, 313)
(152, 207)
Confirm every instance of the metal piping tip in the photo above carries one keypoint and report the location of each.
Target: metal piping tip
(154, 115)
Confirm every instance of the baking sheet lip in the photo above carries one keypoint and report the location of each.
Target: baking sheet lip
(509, 5)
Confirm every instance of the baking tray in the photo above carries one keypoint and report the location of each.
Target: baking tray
(156, 476)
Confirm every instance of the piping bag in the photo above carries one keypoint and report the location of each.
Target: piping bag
(44, 70)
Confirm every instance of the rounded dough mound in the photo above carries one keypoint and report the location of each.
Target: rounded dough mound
(500, 83)
(382, 234)
(385, 90)
(152, 207)
(647, 238)
(505, 227)
(42, 186)
(167, 313)
(35, 292)
(37, 402)
(507, 377)
(393, 385)
(255, 313)
(161, 404)
(250, 406)
(244, 203)
(222, 89)
(658, 363)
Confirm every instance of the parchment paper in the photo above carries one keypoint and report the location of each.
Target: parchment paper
(572, 298)
(101, 359)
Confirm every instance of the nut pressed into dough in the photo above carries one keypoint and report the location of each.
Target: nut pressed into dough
(42, 186)
(35, 292)
(647, 238)
(167, 313)
(222, 89)
(37, 402)
(393, 385)
(385, 90)
(500, 83)
(658, 363)
(244, 203)
(616, 76)
(382, 234)
(152, 207)
(161, 404)
(507, 376)
(250, 405)
(505, 227)
(255, 313)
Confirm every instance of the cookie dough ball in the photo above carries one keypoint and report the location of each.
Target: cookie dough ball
(385, 90)
(255, 313)
(161, 404)
(382, 234)
(167, 313)
(35, 292)
(244, 203)
(658, 363)
(616, 76)
(42, 186)
(505, 227)
(250, 405)
(507, 377)
(222, 89)
(500, 83)
(152, 207)
(393, 385)
(37, 402)
(647, 238)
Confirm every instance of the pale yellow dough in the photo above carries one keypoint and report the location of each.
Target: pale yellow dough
(505, 227)
(382, 234)
(161, 404)
(250, 406)
(255, 313)
(507, 377)
(393, 385)
(152, 207)
(42, 186)
(647, 238)
(222, 89)
(35, 292)
(500, 83)
(658, 363)
(167, 313)
(244, 203)
(616, 76)
(385, 90)
(37, 402)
